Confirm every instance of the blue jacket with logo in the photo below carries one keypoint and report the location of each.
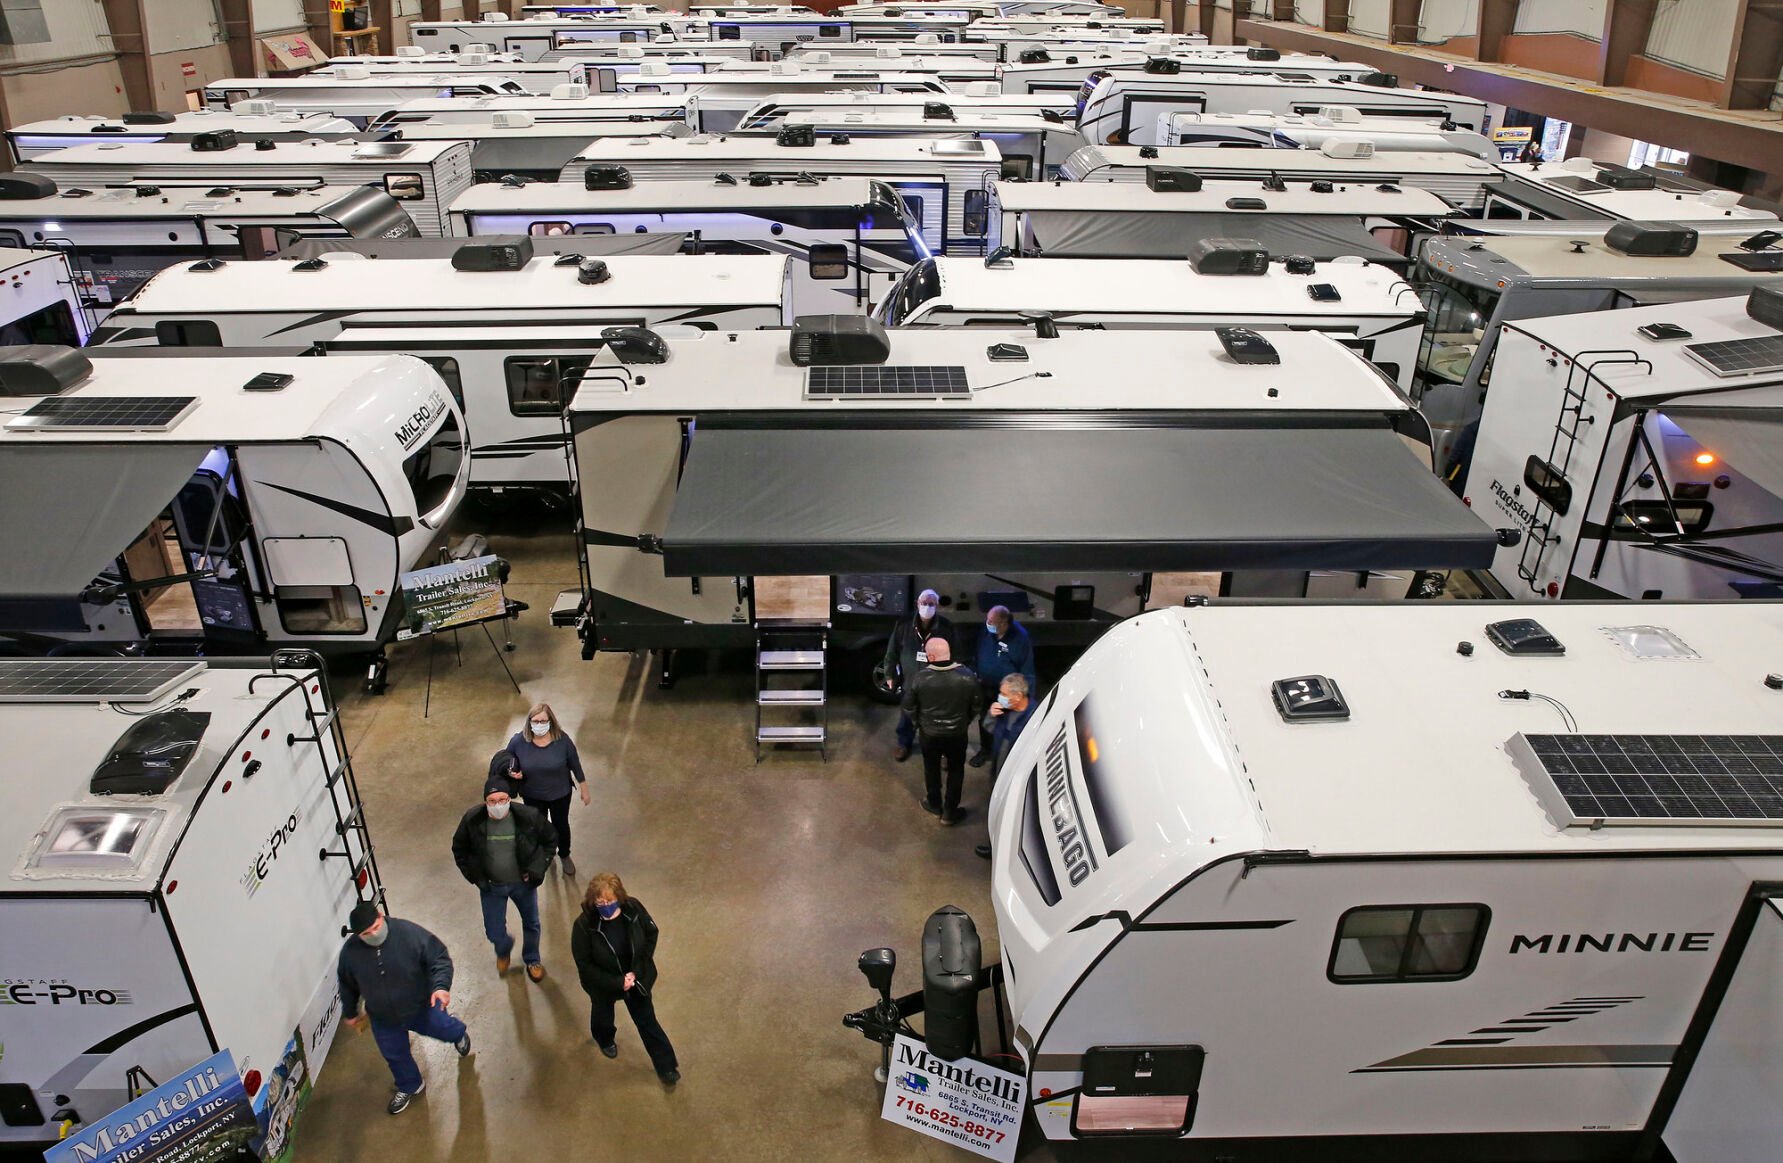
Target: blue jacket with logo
(1011, 654)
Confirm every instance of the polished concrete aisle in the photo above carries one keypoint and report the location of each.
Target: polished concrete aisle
(767, 882)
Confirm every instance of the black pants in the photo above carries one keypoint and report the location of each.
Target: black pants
(643, 1016)
(987, 743)
(559, 811)
(951, 748)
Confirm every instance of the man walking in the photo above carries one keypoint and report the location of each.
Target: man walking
(1008, 715)
(404, 975)
(905, 657)
(1003, 649)
(504, 849)
(942, 699)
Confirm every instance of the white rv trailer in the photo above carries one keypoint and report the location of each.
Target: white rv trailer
(147, 929)
(565, 106)
(1123, 107)
(1375, 313)
(534, 76)
(240, 504)
(517, 145)
(532, 39)
(944, 184)
(509, 343)
(115, 238)
(951, 70)
(1582, 188)
(1459, 179)
(627, 57)
(1473, 285)
(779, 32)
(1032, 146)
(979, 98)
(867, 51)
(1137, 55)
(423, 176)
(1340, 123)
(1062, 73)
(1130, 220)
(689, 482)
(40, 137)
(547, 11)
(715, 102)
(847, 239)
(356, 99)
(40, 300)
(1397, 932)
(1637, 468)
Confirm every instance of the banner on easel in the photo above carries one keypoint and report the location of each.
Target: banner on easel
(461, 593)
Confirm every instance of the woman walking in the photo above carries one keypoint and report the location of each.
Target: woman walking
(614, 944)
(547, 771)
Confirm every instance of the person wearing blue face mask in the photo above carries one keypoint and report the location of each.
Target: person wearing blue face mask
(614, 945)
(1003, 649)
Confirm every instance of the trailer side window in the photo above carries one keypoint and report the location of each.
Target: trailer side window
(977, 222)
(448, 369)
(541, 385)
(1033, 851)
(405, 187)
(188, 333)
(829, 260)
(1381, 943)
(1546, 482)
(548, 229)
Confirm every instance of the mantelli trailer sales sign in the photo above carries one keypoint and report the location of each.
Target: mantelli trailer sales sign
(963, 1102)
(201, 1115)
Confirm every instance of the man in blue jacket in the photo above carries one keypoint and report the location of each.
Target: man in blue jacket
(1003, 649)
(404, 975)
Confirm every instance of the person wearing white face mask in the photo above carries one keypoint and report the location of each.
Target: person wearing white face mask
(504, 849)
(547, 771)
(905, 657)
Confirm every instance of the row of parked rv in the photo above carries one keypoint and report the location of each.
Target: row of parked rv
(732, 288)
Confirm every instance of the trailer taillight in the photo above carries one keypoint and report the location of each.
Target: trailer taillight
(360, 880)
(250, 1082)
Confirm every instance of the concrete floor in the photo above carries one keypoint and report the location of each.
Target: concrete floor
(767, 881)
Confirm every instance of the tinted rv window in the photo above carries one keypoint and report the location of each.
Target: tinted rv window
(405, 187)
(829, 260)
(188, 333)
(1033, 851)
(448, 369)
(1407, 943)
(977, 214)
(541, 385)
(432, 469)
(1545, 481)
(54, 324)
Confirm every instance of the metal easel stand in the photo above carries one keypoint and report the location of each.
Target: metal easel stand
(510, 610)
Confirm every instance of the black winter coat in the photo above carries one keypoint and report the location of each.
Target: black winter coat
(900, 649)
(943, 701)
(603, 978)
(535, 842)
(397, 978)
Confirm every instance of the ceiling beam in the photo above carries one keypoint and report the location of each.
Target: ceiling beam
(1755, 57)
(1741, 141)
(237, 18)
(1497, 20)
(1626, 25)
(1403, 21)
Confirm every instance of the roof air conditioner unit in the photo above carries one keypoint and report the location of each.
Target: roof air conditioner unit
(41, 369)
(1172, 180)
(653, 69)
(1578, 165)
(1721, 199)
(215, 141)
(887, 51)
(152, 117)
(410, 50)
(982, 89)
(353, 73)
(1341, 113)
(1229, 256)
(512, 255)
(1623, 178)
(838, 341)
(255, 107)
(1258, 53)
(630, 51)
(473, 58)
(927, 38)
(1653, 239)
(819, 58)
(1765, 304)
(485, 49)
(1379, 80)
(511, 119)
(601, 177)
(1347, 147)
(501, 17)
(784, 68)
(569, 91)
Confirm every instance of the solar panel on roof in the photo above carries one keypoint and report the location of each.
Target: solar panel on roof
(928, 382)
(1577, 184)
(1654, 779)
(1739, 357)
(105, 413)
(91, 680)
(1763, 262)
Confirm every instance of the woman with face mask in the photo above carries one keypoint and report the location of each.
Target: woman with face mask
(547, 771)
(614, 944)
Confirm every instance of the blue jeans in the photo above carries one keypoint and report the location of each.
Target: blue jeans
(393, 1042)
(906, 731)
(495, 919)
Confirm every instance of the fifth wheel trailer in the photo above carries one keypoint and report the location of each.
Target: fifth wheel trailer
(1638, 467)
(1281, 881)
(272, 502)
(153, 920)
(727, 463)
(39, 137)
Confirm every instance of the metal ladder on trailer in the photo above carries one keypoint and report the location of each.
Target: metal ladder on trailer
(323, 714)
(796, 650)
(1567, 427)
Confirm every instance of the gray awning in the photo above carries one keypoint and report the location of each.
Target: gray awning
(588, 245)
(1748, 440)
(1105, 234)
(851, 500)
(70, 509)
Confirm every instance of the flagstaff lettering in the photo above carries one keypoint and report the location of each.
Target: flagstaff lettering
(1510, 504)
(416, 426)
(1612, 943)
(1067, 820)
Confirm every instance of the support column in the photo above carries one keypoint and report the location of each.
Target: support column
(237, 18)
(1755, 57)
(1497, 19)
(1626, 24)
(130, 38)
(1337, 15)
(1403, 22)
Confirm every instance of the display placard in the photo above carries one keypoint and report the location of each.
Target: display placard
(201, 1115)
(460, 593)
(963, 1102)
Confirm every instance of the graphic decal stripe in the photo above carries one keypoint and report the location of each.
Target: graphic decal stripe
(1524, 1057)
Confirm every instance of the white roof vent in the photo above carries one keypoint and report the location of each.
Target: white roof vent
(887, 51)
(784, 68)
(501, 17)
(653, 69)
(982, 89)
(569, 91)
(512, 119)
(468, 57)
(255, 107)
(1721, 199)
(410, 50)
(1341, 113)
(818, 58)
(630, 52)
(927, 38)
(352, 72)
(1347, 147)
(1579, 165)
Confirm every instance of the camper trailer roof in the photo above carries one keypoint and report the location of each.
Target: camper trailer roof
(1192, 372)
(182, 202)
(82, 735)
(544, 109)
(225, 411)
(1674, 198)
(654, 197)
(573, 131)
(322, 81)
(763, 150)
(1579, 255)
(1382, 166)
(283, 154)
(1676, 374)
(1158, 286)
(1297, 199)
(964, 120)
(1420, 766)
(353, 284)
(12, 257)
(81, 126)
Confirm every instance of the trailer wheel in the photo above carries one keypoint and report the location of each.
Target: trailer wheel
(866, 662)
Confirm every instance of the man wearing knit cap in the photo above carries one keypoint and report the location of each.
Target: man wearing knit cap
(504, 848)
(404, 975)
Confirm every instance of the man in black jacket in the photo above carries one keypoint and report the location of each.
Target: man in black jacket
(905, 657)
(943, 699)
(504, 849)
(404, 975)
